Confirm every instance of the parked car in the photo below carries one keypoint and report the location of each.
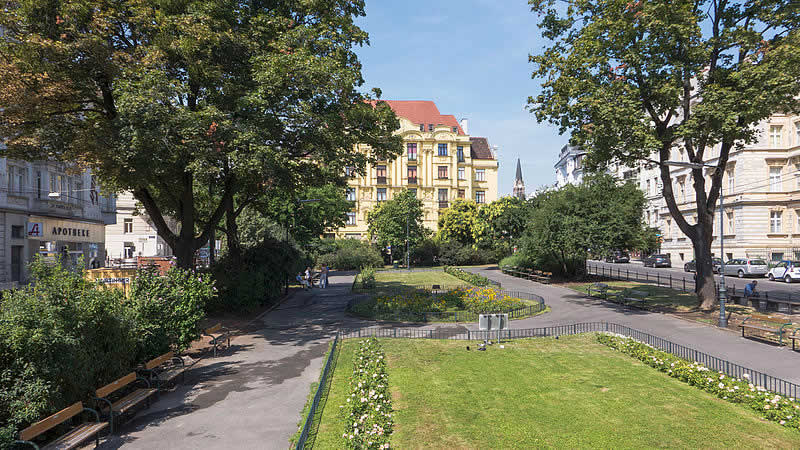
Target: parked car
(657, 260)
(691, 266)
(618, 257)
(785, 270)
(746, 267)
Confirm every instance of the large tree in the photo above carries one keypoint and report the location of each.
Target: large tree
(630, 79)
(392, 221)
(459, 222)
(196, 106)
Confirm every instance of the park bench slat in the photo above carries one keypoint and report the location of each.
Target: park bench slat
(778, 328)
(76, 437)
(218, 334)
(124, 404)
(127, 402)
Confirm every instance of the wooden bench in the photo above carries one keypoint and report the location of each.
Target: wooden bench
(601, 289)
(126, 403)
(164, 369)
(74, 438)
(218, 334)
(629, 297)
(795, 337)
(769, 325)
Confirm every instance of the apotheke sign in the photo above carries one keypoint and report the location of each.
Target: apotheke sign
(65, 230)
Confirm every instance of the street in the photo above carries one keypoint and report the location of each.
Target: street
(778, 289)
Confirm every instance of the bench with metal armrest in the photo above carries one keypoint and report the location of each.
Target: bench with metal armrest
(218, 335)
(74, 438)
(766, 324)
(103, 397)
(164, 369)
(795, 337)
(632, 296)
(599, 290)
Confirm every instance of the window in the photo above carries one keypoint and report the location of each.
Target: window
(351, 194)
(480, 174)
(129, 250)
(39, 192)
(412, 151)
(460, 153)
(351, 218)
(422, 127)
(413, 192)
(578, 161)
(775, 222)
(128, 226)
(462, 174)
(79, 192)
(442, 198)
(647, 187)
(777, 256)
(430, 127)
(443, 172)
(442, 150)
(775, 132)
(731, 181)
(462, 193)
(455, 129)
(349, 171)
(775, 179)
(682, 190)
(16, 231)
(480, 197)
(797, 132)
(380, 173)
(381, 194)
(731, 228)
(412, 174)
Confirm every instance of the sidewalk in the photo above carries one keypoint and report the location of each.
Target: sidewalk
(568, 306)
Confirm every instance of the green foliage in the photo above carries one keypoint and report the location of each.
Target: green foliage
(459, 222)
(453, 253)
(167, 311)
(598, 216)
(257, 278)
(368, 409)
(425, 253)
(367, 277)
(471, 278)
(388, 222)
(351, 254)
(500, 225)
(63, 336)
(735, 390)
(519, 259)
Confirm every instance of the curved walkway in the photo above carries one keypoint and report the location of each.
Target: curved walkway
(251, 396)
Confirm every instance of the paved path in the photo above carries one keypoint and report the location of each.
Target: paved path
(251, 396)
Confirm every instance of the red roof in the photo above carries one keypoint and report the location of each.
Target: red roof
(423, 112)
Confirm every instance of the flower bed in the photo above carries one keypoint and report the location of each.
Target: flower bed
(471, 278)
(368, 409)
(785, 411)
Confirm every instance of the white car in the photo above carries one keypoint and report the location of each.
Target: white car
(786, 270)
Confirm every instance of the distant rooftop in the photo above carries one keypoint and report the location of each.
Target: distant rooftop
(480, 148)
(423, 112)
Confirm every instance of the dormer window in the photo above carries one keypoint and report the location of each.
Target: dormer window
(430, 127)
(455, 129)
(422, 127)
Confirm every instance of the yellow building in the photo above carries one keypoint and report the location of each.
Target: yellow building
(441, 162)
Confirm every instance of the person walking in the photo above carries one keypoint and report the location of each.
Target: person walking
(309, 277)
(323, 277)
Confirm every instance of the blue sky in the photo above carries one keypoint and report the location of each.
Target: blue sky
(471, 58)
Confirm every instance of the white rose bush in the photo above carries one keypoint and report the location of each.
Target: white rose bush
(771, 406)
(368, 409)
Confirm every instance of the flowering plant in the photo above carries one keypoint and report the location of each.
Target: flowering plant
(784, 410)
(368, 409)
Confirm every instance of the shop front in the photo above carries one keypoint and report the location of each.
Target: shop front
(78, 243)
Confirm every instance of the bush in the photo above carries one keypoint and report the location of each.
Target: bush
(453, 253)
(518, 259)
(471, 278)
(425, 253)
(63, 336)
(167, 310)
(368, 409)
(351, 254)
(257, 278)
(367, 278)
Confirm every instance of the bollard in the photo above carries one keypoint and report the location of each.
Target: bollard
(670, 281)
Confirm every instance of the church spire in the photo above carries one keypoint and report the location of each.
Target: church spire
(519, 185)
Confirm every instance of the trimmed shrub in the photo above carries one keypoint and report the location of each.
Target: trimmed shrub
(351, 254)
(518, 259)
(471, 278)
(425, 253)
(453, 253)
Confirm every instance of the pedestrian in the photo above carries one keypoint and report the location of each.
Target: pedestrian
(750, 289)
(302, 280)
(309, 277)
(323, 278)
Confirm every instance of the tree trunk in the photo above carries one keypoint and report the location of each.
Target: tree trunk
(232, 230)
(704, 277)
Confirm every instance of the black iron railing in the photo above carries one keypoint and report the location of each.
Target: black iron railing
(323, 384)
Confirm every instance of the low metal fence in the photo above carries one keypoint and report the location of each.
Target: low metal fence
(454, 316)
(769, 382)
(323, 384)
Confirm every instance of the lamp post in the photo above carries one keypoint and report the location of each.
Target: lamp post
(723, 293)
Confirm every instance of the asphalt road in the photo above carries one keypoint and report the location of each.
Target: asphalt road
(779, 289)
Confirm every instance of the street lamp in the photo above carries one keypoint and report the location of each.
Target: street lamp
(723, 293)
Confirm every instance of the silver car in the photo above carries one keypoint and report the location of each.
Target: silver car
(746, 267)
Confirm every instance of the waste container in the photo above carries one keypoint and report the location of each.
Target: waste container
(395, 264)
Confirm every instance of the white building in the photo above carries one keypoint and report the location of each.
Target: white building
(133, 234)
(569, 168)
(49, 208)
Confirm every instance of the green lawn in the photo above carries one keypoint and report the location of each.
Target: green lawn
(658, 297)
(391, 280)
(565, 393)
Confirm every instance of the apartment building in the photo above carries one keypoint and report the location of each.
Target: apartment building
(49, 208)
(441, 163)
(133, 234)
(569, 167)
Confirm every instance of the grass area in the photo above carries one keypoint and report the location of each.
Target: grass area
(388, 281)
(658, 297)
(567, 393)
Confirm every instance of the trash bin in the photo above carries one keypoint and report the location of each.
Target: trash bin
(395, 264)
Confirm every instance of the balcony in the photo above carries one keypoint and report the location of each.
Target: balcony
(381, 180)
(442, 177)
(412, 180)
(443, 204)
(412, 156)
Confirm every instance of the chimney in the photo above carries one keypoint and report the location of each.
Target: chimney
(465, 125)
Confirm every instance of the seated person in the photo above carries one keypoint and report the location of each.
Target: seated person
(303, 282)
(750, 289)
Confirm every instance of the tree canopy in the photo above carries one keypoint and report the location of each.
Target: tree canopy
(459, 222)
(387, 222)
(191, 105)
(629, 79)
